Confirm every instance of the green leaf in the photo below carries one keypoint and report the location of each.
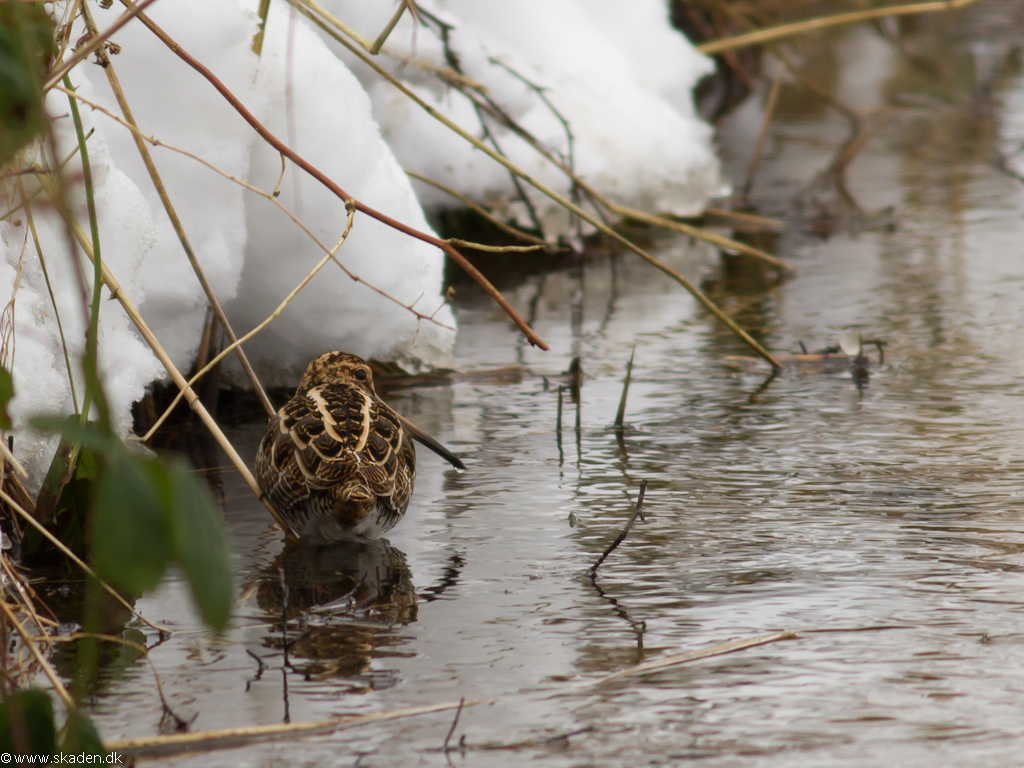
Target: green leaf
(200, 543)
(128, 534)
(6, 393)
(26, 46)
(80, 735)
(26, 722)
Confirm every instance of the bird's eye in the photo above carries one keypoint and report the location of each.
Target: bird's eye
(360, 374)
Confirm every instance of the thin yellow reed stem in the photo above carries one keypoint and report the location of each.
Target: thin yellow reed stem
(49, 289)
(13, 461)
(767, 35)
(495, 248)
(478, 208)
(377, 44)
(267, 321)
(701, 234)
(51, 675)
(181, 743)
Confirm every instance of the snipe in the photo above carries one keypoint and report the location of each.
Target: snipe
(336, 460)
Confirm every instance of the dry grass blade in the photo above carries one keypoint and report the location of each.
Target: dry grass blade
(479, 209)
(27, 204)
(769, 34)
(183, 743)
(721, 241)
(26, 596)
(703, 653)
(33, 647)
(495, 248)
(620, 415)
(77, 560)
(388, 28)
(11, 459)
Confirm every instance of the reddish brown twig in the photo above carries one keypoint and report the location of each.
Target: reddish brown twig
(313, 171)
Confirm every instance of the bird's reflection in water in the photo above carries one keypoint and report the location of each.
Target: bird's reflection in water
(344, 603)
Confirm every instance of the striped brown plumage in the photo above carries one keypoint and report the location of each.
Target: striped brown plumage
(336, 460)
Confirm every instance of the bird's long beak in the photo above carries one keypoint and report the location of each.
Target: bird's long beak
(424, 439)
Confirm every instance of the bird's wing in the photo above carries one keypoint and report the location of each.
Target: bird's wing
(341, 434)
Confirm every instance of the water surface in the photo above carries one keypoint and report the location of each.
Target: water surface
(882, 524)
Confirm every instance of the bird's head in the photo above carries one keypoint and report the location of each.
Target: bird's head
(335, 368)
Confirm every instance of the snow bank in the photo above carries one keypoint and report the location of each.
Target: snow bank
(618, 73)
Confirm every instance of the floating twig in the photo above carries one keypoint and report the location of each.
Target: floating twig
(464, 746)
(703, 653)
(203, 741)
(592, 573)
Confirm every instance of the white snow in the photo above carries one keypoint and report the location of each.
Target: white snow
(620, 75)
